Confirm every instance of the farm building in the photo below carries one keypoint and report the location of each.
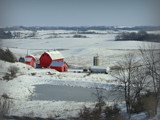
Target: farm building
(60, 66)
(99, 69)
(47, 57)
(30, 60)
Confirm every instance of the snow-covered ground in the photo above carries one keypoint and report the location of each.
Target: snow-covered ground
(78, 52)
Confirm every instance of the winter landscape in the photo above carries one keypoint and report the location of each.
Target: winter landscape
(80, 60)
(78, 55)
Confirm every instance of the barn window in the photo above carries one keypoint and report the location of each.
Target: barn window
(47, 55)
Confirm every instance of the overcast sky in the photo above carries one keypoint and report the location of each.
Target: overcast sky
(79, 12)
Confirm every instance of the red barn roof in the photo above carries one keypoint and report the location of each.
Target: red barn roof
(47, 57)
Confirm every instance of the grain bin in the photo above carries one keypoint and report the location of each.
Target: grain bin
(96, 60)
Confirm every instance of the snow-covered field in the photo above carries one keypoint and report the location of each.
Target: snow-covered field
(78, 52)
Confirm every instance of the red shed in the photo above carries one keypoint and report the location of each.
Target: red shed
(60, 66)
(30, 60)
(47, 57)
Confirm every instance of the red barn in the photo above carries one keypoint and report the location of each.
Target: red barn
(60, 66)
(47, 57)
(30, 60)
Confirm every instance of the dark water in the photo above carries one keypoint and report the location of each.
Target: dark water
(66, 93)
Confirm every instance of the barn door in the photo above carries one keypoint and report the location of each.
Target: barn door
(64, 69)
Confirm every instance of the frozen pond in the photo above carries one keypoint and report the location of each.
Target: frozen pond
(66, 93)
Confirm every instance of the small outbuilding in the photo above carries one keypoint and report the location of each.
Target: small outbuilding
(30, 60)
(60, 66)
(99, 69)
(47, 58)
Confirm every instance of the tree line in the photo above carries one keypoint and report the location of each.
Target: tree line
(5, 35)
(82, 28)
(140, 36)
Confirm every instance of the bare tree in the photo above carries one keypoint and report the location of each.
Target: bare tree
(100, 99)
(124, 77)
(151, 60)
(133, 77)
(13, 70)
(139, 81)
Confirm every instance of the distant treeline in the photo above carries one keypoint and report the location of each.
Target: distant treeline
(140, 36)
(5, 35)
(82, 28)
(79, 36)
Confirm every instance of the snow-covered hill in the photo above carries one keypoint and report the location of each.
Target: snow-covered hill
(78, 52)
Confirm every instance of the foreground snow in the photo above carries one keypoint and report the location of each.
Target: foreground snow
(20, 88)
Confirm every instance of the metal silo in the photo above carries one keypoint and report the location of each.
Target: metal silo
(96, 60)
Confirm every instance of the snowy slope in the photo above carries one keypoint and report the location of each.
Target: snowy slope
(78, 52)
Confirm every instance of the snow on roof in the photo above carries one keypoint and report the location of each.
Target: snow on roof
(55, 55)
(98, 67)
(56, 63)
(28, 56)
(28, 59)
